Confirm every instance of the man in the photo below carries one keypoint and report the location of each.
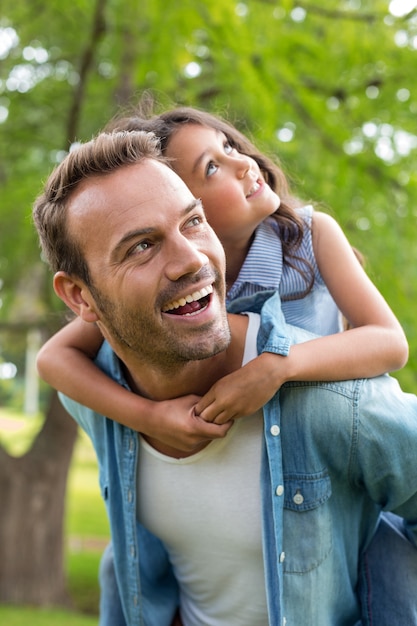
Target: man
(127, 241)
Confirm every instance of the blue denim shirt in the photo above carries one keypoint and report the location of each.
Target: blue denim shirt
(335, 455)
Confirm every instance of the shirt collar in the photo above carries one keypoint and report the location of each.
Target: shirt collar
(263, 263)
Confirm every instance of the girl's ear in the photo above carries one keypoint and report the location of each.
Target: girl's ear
(76, 296)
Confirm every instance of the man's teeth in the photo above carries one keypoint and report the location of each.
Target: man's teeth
(193, 297)
(254, 189)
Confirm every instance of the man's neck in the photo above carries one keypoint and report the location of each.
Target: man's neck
(192, 377)
(195, 377)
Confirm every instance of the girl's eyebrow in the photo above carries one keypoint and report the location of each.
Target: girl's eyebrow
(204, 154)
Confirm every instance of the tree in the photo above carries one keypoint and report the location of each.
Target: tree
(31, 524)
(330, 89)
(34, 485)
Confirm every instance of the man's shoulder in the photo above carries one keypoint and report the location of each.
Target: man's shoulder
(379, 396)
(347, 389)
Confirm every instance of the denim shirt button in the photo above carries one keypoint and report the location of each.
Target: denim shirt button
(279, 490)
(282, 557)
(129, 496)
(284, 621)
(298, 498)
(275, 430)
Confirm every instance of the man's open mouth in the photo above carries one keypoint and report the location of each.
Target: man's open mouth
(192, 303)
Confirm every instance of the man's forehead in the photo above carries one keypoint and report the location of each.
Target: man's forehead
(146, 196)
(143, 184)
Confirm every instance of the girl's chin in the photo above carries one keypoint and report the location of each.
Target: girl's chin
(273, 203)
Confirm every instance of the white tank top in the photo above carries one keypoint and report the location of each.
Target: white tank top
(206, 508)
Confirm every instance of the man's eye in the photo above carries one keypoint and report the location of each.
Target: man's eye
(139, 247)
(195, 221)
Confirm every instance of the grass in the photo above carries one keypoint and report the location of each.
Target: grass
(87, 530)
(17, 616)
(82, 571)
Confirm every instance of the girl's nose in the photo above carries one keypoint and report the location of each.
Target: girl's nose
(243, 167)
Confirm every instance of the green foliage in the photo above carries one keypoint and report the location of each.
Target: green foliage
(11, 393)
(337, 78)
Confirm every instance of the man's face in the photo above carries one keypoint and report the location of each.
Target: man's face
(156, 266)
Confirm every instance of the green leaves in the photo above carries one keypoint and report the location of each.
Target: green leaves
(330, 90)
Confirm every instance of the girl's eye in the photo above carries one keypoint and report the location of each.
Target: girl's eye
(211, 169)
(211, 166)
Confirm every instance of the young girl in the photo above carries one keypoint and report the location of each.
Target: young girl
(271, 243)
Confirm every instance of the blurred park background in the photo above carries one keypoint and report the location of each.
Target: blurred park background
(329, 87)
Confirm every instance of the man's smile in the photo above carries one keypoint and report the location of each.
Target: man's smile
(189, 304)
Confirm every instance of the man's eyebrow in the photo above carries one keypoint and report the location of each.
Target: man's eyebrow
(128, 237)
(196, 203)
(203, 155)
(140, 232)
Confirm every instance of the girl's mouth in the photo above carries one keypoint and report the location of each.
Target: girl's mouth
(255, 187)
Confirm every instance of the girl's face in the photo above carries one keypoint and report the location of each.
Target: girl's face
(235, 197)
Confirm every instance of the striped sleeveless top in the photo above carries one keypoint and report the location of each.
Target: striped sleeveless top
(264, 269)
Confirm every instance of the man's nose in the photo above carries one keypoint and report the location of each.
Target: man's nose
(184, 257)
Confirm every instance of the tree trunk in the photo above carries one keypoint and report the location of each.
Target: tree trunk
(33, 489)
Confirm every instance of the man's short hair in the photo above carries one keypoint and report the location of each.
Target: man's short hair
(102, 155)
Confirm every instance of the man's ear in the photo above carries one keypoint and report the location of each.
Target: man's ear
(76, 296)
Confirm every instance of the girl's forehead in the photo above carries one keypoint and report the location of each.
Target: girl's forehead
(191, 143)
(192, 130)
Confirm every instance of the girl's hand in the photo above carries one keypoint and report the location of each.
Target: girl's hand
(244, 391)
(176, 424)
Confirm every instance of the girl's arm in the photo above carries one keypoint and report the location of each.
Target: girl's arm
(374, 344)
(66, 363)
